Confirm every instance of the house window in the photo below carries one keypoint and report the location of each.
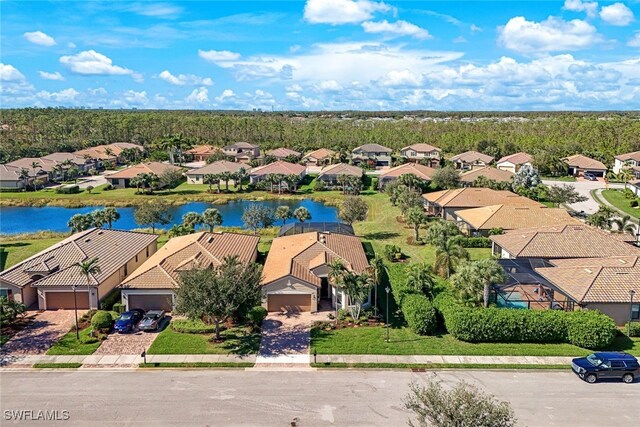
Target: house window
(6, 293)
(115, 181)
(635, 312)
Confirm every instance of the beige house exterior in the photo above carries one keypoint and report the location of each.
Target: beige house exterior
(514, 162)
(200, 153)
(196, 176)
(122, 178)
(329, 174)
(423, 172)
(276, 168)
(320, 157)
(471, 160)
(499, 175)
(630, 161)
(242, 152)
(283, 153)
(578, 165)
(10, 177)
(373, 155)
(422, 152)
(108, 152)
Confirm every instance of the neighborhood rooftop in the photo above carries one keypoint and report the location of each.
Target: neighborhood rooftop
(471, 156)
(148, 167)
(341, 169)
(517, 158)
(474, 197)
(584, 162)
(218, 167)
(509, 217)
(279, 167)
(320, 154)
(635, 155)
(421, 148)
(373, 148)
(421, 171)
(488, 172)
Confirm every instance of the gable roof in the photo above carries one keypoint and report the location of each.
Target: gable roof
(471, 197)
(629, 156)
(320, 154)
(517, 158)
(61, 157)
(488, 172)
(471, 156)
(509, 217)
(421, 171)
(341, 169)
(283, 152)
(203, 150)
(11, 173)
(148, 167)
(279, 167)
(584, 162)
(99, 151)
(372, 148)
(46, 165)
(217, 167)
(241, 144)
(421, 148)
(162, 270)
(298, 254)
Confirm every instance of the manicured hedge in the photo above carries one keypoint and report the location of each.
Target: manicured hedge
(420, 314)
(591, 329)
(68, 189)
(102, 320)
(634, 330)
(256, 315)
(472, 242)
(187, 326)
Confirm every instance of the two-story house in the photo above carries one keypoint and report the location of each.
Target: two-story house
(373, 155)
(422, 153)
(629, 161)
(242, 152)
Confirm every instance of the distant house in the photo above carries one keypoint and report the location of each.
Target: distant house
(200, 153)
(82, 163)
(11, 178)
(630, 161)
(329, 174)
(498, 175)
(470, 160)
(276, 168)
(46, 280)
(423, 172)
(196, 176)
(283, 153)
(153, 284)
(45, 171)
(579, 164)
(242, 152)
(514, 162)
(108, 152)
(122, 178)
(320, 157)
(420, 152)
(373, 155)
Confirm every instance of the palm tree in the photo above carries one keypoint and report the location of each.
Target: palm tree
(302, 214)
(110, 215)
(271, 179)
(34, 166)
(420, 280)
(336, 276)
(241, 175)
(448, 257)
(211, 217)
(24, 176)
(623, 225)
(225, 176)
(191, 220)
(377, 271)
(136, 181)
(284, 213)
(292, 182)
(356, 287)
(474, 280)
(88, 269)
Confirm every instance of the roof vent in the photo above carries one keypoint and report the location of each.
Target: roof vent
(210, 239)
(622, 261)
(323, 238)
(100, 233)
(588, 270)
(87, 240)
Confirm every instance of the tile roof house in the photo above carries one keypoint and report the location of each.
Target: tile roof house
(108, 152)
(470, 160)
(122, 178)
(82, 163)
(418, 152)
(242, 152)
(295, 275)
(479, 221)
(579, 164)
(322, 156)
(630, 161)
(373, 155)
(494, 174)
(196, 176)
(10, 177)
(276, 168)
(47, 278)
(282, 153)
(45, 171)
(329, 174)
(152, 285)
(514, 162)
(421, 171)
(634, 186)
(201, 153)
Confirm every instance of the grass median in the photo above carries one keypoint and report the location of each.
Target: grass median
(57, 365)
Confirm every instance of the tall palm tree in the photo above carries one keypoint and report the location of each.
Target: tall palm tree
(356, 287)
(110, 215)
(623, 225)
(24, 176)
(209, 178)
(241, 175)
(448, 257)
(337, 271)
(378, 269)
(485, 273)
(419, 279)
(225, 176)
(34, 166)
(211, 217)
(89, 268)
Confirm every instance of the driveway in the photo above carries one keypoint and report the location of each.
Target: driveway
(46, 329)
(131, 343)
(584, 188)
(93, 181)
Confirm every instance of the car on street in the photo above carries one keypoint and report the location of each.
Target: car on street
(152, 320)
(606, 365)
(589, 176)
(128, 320)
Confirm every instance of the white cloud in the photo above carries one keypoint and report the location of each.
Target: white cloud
(225, 95)
(336, 12)
(91, 62)
(64, 96)
(71, 45)
(617, 14)
(185, 79)
(38, 37)
(9, 73)
(135, 98)
(51, 76)
(398, 28)
(590, 7)
(402, 78)
(635, 40)
(198, 96)
(99, 91)
(459, 39)
(156, 10)
(474, 28)
(218, 55)
(329, 86)
(552, 34)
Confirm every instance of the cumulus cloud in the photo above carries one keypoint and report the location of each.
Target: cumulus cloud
(198, 96)
(337, 12)
(91, 62)
(40, 38)
(64, 96)
(132, 97)
(185, 79)
(328, 86)
(218, 55)
(401, 78)
(589, 7)
(617, 14)
(51, 76)
(398, 28)
(552, 34)
(9, 73)
(635, 40)
(225, 95)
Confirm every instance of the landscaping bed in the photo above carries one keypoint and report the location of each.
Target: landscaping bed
(197, 365)
(57, 365)
(70, 345)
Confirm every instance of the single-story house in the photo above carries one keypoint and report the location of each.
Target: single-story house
(470, 160)
(82, 163)
(283, 153)
(276, 168)
(488, 172)
(627, 161)
(480, 221)
(242, 152)
(579, 164)
(323, 156)
(423, 172)
(11, 177)
(296, 272)
(514, 162)
(196, 176)
(422, 152)
(108, 152)
(45, 170)
(122, 178)
(153, 284)
(374, 155)
(329, 174)
(200, 153)
(447, 203)
(46, 280)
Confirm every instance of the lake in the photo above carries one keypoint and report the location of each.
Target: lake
(50, 218)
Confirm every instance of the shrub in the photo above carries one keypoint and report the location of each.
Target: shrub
(108, 187)
(102, 320)
(472, 242)
(118, 307)
(187, 326)
(633, 328)
(108, 301)
(419, 314)
(319, 186)
(392, 252)
(68, 189)
(591, 329)
(633, 203)
(256, 315)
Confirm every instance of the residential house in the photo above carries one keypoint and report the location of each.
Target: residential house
(11, 178)
(630, 161)
(109, 152)
(480, 221)
(329, 174)
(470, 160)
(200, 153)
(372, 155)
(498, 175)
(196, 176)
(47, 279)
(634, 186)
(122, 178)
(447, 203)
(283, 153)
(320, 157)
(242, 152)
(296, 272)
(423, 172)
(422, 153)
(153, 284)
(514, 162)
(276, 168)
(45, 170)
(579, 164)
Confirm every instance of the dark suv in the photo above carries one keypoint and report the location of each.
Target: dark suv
(606, 365)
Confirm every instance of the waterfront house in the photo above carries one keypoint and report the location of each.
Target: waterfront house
(425, 173)
(196, 176)
(122, 178)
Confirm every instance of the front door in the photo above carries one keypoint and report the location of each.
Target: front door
(324, 288)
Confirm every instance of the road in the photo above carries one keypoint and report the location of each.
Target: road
(314, 398)
(584, 188)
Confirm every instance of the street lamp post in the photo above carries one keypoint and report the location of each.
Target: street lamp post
(631, 294)
(75, 310)
(387, 289)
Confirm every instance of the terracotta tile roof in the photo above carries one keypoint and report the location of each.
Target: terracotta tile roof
(584, 162)
(46, 165)
(11, 173)
(595, 280)
(99, 151)
(568, 241)
(113, 248)
(629, 156)
(476, 197)
(517, 158)
(279, 167)
(283, 152)
(218, 167)
(203, 150)
(148, 167)
(421, 148)
(421, 171)
(489, 173)
(298, 254)
(372, 148)
(471, 156)
(510, 217)
(203, 249)
(320, 154)
(341, 169)
(61, 157)
(241, 144)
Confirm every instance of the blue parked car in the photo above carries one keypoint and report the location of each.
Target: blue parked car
(605, 365)
(128, 320)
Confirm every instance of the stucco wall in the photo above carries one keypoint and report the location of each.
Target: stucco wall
(26, 295)
(619, 312)
(291, 285)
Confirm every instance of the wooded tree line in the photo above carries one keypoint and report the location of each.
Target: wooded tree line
(35, 132)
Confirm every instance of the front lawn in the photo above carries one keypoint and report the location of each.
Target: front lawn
(69, 345)
(19, 250)
(237, 341)
(616, 198)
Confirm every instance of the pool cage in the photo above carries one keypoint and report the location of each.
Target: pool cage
(324, 227)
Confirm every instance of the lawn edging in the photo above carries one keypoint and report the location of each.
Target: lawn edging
(57, 365)
(435, 366)
(223, 365)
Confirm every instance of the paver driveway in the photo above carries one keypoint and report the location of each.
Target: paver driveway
(47, 328)
(131, 343)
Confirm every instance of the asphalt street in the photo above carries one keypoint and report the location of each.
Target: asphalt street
(306, 398)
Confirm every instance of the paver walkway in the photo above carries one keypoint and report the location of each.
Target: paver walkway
(127, 346)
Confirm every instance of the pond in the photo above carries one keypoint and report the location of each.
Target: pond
(50, 218)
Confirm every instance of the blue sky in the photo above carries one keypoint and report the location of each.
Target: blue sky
(321, 55)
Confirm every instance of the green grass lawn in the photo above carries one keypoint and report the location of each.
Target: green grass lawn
(237, 341)
(560, 178)
(57, 365)
(19, 250)
(69, 345)
(616, 198)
